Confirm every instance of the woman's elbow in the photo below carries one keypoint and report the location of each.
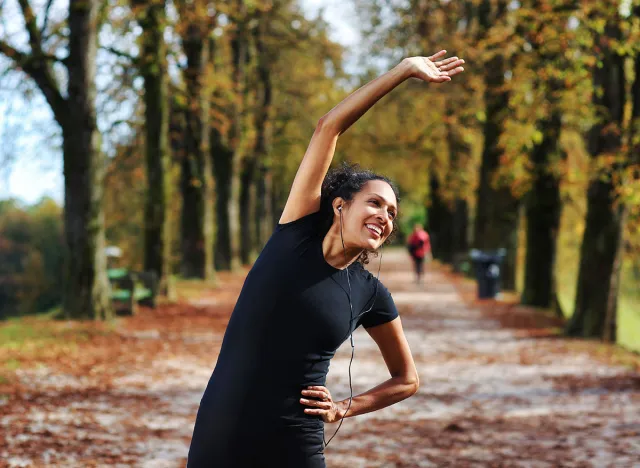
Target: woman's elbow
(413, 384)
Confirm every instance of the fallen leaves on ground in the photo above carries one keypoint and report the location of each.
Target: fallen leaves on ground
(499, 385)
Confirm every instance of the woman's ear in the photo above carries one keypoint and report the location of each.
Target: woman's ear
(338, 205)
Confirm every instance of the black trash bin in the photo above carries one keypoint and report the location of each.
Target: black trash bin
(487, 266)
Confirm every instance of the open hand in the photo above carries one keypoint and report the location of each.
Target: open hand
(319, 400)
(434, 69)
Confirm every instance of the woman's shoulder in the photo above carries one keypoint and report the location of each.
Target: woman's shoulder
(369, 278)
(308, 221)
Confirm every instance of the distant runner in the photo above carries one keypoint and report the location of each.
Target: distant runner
(419, 247)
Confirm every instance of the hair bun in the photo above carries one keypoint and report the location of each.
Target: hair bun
(337, 178)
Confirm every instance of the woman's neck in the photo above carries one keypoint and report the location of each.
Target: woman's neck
(334, 253)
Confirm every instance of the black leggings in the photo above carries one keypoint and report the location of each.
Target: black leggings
(417, 265)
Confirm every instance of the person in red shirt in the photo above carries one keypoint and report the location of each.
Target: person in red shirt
(419, 247)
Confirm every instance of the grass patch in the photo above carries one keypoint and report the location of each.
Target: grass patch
(16, 332)
(628, 304)
(193, 288)
(33, 331)
(33, 336)
(567, 266)
(629, 322)
(12, 364)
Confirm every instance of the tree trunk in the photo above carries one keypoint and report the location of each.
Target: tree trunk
(263, 225)
(439, 222)
(86, 287)
(611, 316)
(86, 290)
(227, 160)
(264, 215)
(457, 181)
(247, 203)
(496, 223)
(597, 256)
(239, 46)
(604, 223)
(197, 174)
(222, 156)
(153, 66)
(278, 198)
(544, 204)
(543, 211)
(610, 330)
(460, 227)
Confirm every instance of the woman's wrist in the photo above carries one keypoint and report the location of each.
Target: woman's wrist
(405, 68)
(341, 411)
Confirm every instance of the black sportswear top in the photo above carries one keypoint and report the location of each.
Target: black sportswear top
(290, 318)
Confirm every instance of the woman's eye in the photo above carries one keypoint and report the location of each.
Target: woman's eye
(392, 214)
(375, 202)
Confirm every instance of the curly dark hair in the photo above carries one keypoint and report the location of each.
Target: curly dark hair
(344, 182)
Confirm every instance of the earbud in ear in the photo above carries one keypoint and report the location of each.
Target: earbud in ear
(340, 208)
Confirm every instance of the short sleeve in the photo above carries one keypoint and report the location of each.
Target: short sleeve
(384, 309)
(295, 237)
(307, 225)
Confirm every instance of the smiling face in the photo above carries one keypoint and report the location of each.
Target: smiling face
(368, 217)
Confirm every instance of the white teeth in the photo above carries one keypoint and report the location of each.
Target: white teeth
(375, 228)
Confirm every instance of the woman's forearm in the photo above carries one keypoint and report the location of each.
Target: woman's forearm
(345, 114)
(386, 394)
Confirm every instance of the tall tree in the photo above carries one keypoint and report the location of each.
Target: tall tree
(227, 150)
(459, 115)
(604, 219)
(496, 222)
(458, 178)
(633, 160)
(197, 228)
(256, 167)
(151, 16)
(543, 33)
(86, 288)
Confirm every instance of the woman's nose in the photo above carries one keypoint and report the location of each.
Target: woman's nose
(384, 218)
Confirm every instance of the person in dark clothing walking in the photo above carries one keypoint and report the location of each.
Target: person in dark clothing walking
(266, 402)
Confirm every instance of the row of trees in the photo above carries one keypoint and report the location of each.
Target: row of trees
(546, 80)
(209, 72)
(230, 92)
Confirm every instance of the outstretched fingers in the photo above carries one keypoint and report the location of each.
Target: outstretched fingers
(437, 55)
(453, 72)
(449, 64)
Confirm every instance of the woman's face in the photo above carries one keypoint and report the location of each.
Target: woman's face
(368, 218)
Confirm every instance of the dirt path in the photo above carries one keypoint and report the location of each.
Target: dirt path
(497, 389)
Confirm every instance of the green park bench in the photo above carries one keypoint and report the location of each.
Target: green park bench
(130, 288)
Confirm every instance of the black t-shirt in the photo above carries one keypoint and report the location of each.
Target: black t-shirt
(290, 318)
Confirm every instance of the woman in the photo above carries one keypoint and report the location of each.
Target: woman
(266, 403)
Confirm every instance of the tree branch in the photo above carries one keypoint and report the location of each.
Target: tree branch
(18, 57)
(119, 53)
(40, 71)
(43, 31)
(32, 27)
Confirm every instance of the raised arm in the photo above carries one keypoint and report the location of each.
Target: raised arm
(304, 197)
